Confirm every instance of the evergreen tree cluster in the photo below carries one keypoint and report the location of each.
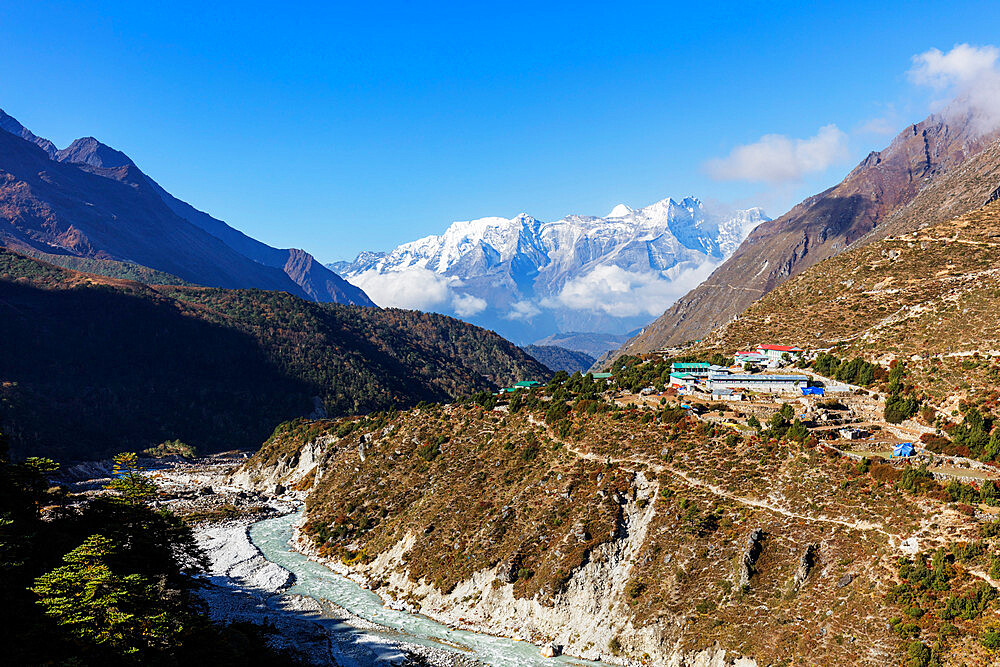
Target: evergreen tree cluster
(107, 583)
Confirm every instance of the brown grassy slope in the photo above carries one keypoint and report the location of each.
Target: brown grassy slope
(820, 227)
(483, 502)
(930, 296)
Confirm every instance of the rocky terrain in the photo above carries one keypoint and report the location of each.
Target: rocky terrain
(628, 534)
(240, 585)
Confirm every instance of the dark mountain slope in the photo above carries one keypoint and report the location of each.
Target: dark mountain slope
(10, 124)
(821, 226)
(560, 358)
(305, 276)
(104, 213)
(317, 281)
(94, 365)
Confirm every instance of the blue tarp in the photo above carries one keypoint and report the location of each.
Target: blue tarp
(816, 391)
(903, 449)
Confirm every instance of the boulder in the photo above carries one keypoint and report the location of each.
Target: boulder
(551, 650)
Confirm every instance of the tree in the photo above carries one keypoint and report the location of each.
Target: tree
(102, 607)
(797, 431)
(130, 480)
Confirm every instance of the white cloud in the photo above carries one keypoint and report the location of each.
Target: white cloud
(970, 75)
(522, 310)
(880, 126)
(776, 158)
(622, 293)
(418, 288)
(964, 64)
(466, 305)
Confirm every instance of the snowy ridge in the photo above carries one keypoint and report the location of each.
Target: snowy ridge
(528, 279)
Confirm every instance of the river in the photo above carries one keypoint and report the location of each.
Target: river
(272, 537)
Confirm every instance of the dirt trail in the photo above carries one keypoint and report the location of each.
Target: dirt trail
(894, 539)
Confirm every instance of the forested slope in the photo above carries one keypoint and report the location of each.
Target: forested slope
(94, 365)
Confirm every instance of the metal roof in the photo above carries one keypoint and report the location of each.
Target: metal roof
(764, 378)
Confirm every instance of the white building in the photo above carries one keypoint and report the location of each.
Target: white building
(722, 394)
(773, 384)
(778, 352)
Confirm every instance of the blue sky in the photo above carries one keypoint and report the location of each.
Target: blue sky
(342, 127)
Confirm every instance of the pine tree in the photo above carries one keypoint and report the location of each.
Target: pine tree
(102, 607)
(130, 481)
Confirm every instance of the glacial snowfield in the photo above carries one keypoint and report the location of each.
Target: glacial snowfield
(528, 279)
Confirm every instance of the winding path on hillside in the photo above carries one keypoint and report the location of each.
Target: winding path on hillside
(714, 489)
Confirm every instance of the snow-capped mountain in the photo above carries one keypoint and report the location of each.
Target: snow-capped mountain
(528, 279)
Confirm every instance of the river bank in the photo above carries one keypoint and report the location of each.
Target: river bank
(241, 585)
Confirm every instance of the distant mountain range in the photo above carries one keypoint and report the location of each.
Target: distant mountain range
(933, 170)
(91, 201)
(528, 279)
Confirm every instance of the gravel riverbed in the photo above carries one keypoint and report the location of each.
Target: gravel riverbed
(241, 585)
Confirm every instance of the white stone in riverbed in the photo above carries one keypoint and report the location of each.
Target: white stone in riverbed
(232, 554)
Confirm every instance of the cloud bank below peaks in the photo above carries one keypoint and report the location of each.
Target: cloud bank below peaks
(417, 288)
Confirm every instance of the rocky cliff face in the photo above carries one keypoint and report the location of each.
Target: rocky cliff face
(824, 225)
(625, 540)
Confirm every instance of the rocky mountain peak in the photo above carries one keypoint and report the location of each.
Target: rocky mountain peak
(88, 150)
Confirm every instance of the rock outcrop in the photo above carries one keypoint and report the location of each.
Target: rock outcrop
(748, 560)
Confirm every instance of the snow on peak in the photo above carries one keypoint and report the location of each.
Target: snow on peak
(619, 211)
(522, 276)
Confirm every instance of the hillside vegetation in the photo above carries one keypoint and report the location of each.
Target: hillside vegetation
(929, 297)
(631, 532)
(560, 358)
(93, 364)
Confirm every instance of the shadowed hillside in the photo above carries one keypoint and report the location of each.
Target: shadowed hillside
(94, 365)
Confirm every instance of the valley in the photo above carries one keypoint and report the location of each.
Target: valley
(680, 433)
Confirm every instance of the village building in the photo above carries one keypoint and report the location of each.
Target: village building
(774, 384)
(683, 380)
(853, 433)
(778, 352)
(723, 394)
(697, 369)
(523, 384)
(745, 359)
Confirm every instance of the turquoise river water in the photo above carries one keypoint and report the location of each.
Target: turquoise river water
(272, 537)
